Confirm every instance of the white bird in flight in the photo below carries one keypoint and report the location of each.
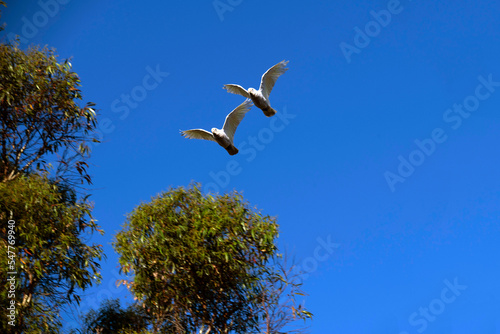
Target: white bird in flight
(261, 97)
(224, 137)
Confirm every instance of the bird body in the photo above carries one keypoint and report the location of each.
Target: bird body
(225, 136)
(260, 97)
(261, 102)
(223, 140)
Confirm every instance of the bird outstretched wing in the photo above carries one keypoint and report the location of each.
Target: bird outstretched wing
(269, 78)
(234, 118)
(198, 134)
(237, 89)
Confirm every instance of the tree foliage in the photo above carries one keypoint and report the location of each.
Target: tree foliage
(51, 259)
(42, 126)
(196, 259)
(280, 310)
(199, 262)
(111, 318)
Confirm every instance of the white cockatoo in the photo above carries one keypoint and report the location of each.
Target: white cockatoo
(225, 136)
(261, 97)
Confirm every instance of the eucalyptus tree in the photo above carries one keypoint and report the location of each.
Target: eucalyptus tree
(48, 261)
(45, 133)
(201, 263)
(43, 126)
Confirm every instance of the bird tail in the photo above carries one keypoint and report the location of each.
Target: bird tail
(232, 150)
(269, 111)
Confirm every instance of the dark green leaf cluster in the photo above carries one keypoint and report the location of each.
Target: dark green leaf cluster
(52, 260)
(197, 259)
(111, 318)
(42, 126)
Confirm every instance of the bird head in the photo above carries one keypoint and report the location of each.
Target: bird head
(251, 90)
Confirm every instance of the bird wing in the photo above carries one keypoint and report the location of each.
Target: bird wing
(198, 134)
(269, 78)
(234, 118)
(237, 89)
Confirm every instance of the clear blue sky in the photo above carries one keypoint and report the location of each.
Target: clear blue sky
(388, 156)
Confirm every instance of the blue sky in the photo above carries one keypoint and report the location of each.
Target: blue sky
(382, 165)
